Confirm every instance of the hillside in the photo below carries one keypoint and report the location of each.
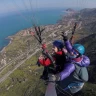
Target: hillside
(86, 16)
(19, 74)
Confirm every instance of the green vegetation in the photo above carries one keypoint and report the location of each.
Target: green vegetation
(24, 81)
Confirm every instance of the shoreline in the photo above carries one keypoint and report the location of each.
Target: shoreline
(9, 38)
(53, 21)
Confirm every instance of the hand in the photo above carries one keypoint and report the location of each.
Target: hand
(64, 35)
(53, 77)
(44, 46)
(65, 50)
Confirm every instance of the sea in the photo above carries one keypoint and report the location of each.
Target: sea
(11, 23)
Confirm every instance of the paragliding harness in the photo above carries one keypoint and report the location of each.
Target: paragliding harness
(55, 87)
(37, 35)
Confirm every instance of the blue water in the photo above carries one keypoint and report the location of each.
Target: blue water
(11, 24)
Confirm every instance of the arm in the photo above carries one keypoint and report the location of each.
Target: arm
(69, 68)
(85, 61)
(68, 46)
(67, 42)
(45, 62)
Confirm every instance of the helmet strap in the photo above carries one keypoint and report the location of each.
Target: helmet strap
(79, 55)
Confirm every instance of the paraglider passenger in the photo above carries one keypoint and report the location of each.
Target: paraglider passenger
(59, 56)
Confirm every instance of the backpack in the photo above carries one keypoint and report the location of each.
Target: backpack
(80, 73)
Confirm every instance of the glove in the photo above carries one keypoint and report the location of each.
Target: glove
(65, 35)
(53, 77)
(44, 46)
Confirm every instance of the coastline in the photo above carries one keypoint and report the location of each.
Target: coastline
(9, 38)
(10, 27)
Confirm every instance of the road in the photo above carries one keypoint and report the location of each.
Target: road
(11, 71)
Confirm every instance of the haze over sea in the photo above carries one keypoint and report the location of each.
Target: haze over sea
(11, 24)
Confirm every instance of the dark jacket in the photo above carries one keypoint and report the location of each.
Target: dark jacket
(59, 58)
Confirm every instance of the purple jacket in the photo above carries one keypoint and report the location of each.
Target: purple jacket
(70, 67)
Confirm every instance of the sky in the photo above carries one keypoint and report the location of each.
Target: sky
(7, 6)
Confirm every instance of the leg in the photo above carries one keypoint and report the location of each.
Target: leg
(45, 74)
